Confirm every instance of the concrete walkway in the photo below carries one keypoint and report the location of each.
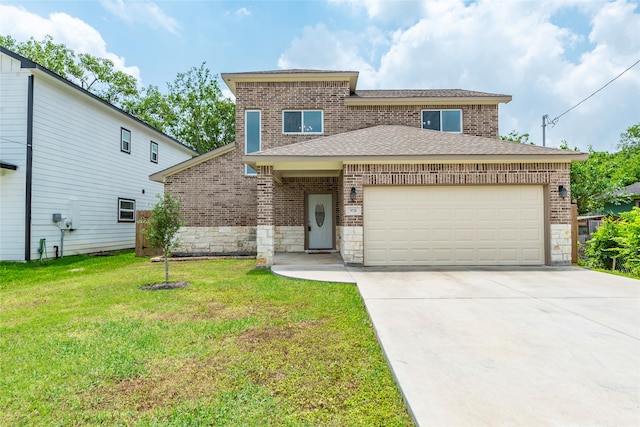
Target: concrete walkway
(501, 346)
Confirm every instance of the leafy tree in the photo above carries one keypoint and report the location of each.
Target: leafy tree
(206, 118)
(514, 136)
(152, 106)
(630, 139)
(628, 171)
(96, 75)
(162, 226)
(193, 110)
(591, 183)
(595, 181)
(100, 78)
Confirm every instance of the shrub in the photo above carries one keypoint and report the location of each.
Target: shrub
(617, 239)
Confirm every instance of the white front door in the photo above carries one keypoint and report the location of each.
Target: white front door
(320, 221)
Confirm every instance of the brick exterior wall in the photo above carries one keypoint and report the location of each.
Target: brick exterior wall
(218, 193)
(551, 174)
(290, 198)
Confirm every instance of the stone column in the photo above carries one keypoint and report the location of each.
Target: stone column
(265, 229)
(560, 216)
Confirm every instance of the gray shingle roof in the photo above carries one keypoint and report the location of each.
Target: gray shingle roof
(633, 189)
(403, 141)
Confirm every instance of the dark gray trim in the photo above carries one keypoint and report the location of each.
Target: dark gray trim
(151, 145)
(5, 165)
(27, 63)
(29, 178)
(122, 131)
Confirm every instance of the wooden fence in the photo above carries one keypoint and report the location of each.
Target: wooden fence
(142, 245)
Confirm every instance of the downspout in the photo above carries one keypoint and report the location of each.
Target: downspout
(29, 178)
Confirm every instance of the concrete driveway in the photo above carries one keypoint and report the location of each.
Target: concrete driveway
(523, 347)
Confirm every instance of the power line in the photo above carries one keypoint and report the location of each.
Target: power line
(545, 118)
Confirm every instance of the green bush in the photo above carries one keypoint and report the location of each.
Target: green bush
(617, 239)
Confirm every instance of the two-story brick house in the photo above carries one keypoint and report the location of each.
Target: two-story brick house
(385, 177)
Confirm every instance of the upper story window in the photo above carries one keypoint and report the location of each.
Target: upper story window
(442, 120)
(303, 121)
(154, 152)
(252, 136)
(125, 140)
(126, 210)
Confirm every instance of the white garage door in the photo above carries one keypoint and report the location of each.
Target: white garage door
(454, 225)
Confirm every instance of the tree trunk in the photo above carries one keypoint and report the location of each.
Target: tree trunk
(166, 268)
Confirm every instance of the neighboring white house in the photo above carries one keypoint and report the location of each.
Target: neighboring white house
(65, 151)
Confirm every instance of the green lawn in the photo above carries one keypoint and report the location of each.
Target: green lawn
(82, 344)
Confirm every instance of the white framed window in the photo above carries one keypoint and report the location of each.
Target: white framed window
(125, 140)
(154, 152)
(126, 210)
(302, 121)
(252, 136)
(442, 120)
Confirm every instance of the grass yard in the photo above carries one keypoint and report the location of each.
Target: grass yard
(82, 344)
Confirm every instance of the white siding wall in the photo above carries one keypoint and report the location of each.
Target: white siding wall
(80, 172)
(13, 140)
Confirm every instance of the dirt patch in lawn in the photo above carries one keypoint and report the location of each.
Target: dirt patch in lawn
(162, 286)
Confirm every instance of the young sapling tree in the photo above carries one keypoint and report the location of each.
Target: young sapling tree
(162, 226)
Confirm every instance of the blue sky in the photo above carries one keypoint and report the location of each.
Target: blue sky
(549, 55)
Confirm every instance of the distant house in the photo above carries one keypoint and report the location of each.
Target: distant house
(71, 161)
(384, 177)
(633, 193)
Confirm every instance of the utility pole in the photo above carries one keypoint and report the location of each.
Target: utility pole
(544, 130)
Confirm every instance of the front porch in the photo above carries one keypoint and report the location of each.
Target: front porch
(300, 211)
(321, 267)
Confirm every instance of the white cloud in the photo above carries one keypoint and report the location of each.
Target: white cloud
(242, 12)
(318, 48)
(76, 34)
(142, 12)
(504, 47)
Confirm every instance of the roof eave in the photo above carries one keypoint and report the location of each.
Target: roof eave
(231, 79)
(431, 100)
(321, 162)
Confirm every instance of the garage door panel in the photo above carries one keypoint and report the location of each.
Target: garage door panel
(465, 234)
(440, 214)
(440, 235)
(508, 234)
(448, 225)
(531, 234)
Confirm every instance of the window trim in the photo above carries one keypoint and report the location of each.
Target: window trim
(122, 140)
(120, 210)
(151, 152)
(440, 110)
(247, 168)
(302, 132)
